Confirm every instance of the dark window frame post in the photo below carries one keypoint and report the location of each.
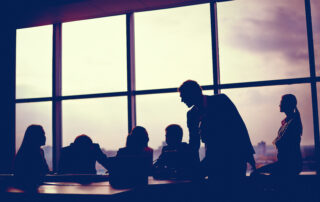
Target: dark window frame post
(313, 83)
(215, 47)
(131, 84)
(56, 94)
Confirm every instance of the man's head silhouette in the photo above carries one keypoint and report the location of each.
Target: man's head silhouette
(174, 135)
(190, 93)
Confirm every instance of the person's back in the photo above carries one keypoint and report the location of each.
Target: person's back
(81, 158)
(228, 130)
(133, 163)
(176, 159)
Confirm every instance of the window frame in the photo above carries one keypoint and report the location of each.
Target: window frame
(131, 92)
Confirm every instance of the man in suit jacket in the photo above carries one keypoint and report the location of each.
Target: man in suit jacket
(217, 121)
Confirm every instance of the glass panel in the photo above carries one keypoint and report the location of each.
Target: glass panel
(315, 8)
(156, 112)
(262, 40)
(39, 113)
(259, 107)
(173, 45)
(94, 56)
(34, 62)
(104, 120)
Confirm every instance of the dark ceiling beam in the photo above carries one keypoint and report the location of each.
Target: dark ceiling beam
(43, 12)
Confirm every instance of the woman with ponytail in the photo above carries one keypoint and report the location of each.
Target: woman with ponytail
(287, 141)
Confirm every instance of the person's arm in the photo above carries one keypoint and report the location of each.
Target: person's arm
(101, 157)
(193, 126)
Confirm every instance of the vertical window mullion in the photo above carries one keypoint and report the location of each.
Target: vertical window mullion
(56, 94)
(131, 84)
(313, 82)
(215, 47)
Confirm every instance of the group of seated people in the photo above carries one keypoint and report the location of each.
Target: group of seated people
(177, 159)
(80, 157)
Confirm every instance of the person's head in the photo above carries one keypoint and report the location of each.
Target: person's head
(174, 134)
(34, 137)
(83, 141)
(190, 92)
(138, 138)
(288, 103)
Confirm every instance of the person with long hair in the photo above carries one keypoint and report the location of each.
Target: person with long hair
(133, 163)
(137, 145)
(30, 165)
(287, 141)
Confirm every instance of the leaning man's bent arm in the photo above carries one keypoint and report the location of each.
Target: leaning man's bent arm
(193, 126)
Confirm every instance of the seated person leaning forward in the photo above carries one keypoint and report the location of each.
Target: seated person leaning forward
(176, 159)
(287, 141)
(81, 156)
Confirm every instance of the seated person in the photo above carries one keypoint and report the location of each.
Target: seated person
(137, 145)
(133, 163)
(81, 156)
(30, 165)
(287, 142)
(176, 159)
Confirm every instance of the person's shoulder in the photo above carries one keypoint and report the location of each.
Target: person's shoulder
(193, 111)
(96, 146)
(165, 148)
(220, 96)
(123, 149)
(184, 146)
(149, 149)
(66, 149)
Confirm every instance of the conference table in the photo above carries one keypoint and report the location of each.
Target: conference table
(94, 188)
(66, 188)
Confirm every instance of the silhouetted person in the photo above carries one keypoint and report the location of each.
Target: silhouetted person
(137, 145)
(30, 165)
(228, 146)
(81, 157)
(176, 159)
(133, 163)
(287, 141)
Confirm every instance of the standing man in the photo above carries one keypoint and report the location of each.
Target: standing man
(216, 120)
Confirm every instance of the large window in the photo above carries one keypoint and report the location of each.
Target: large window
(94, 56)
(260, 110)
(173, 45)
(34, 62)
(115, 74)
(38, 113)
(262, 40)
(315, 8)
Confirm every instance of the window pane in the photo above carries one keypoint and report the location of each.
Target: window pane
(173, 45)
(104, 120)
(35, 113)
(315, 8)
(259, 108)
(94, 56)
(34, 62)
(262, 40)
(156, 112)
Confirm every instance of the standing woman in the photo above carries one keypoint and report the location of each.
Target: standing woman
(287, 142)
(30, 165)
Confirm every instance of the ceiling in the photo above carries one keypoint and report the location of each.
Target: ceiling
(28, 13)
